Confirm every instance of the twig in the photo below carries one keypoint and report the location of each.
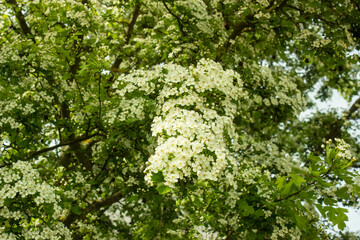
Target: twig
(307, 185)
(99, 83)
(245, 24)
(34, 154)
(295, 193)
(177, 19)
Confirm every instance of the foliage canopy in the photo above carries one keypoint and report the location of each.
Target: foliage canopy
(158, 119)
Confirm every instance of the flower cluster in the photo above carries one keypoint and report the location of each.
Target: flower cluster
(194, 117)
(22, 181)
(343, 149)
(281, 230)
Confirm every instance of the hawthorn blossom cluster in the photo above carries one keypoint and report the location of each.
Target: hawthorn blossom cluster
(281, 230)
(21, 182)
(344, 149)
(193, 122)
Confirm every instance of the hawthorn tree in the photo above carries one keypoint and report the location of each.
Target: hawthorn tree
(159, 119)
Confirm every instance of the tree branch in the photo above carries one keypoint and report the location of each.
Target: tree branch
(326, 174)
(355, 107)
(129, 32)
(177, 19)
(115, 66)
(21, 18)
(80, 139)
(92, 207)
(245, 24)
(335, 127)
(75, 146)
(295, 193)
(356, 4)
(135, 15)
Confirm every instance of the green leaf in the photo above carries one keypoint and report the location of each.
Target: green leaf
(259, 214)
(163, 189)
(347, 179)
(338, 217)
(242, 203)
(335, 215)
(329, 201)
(76, 210)
(68, 96)
(131, 120)
(342, 193)
(297, 179)
(248, 210)
(158, 177)
(324, 183)
(330, 155)
(315, 173)
(246, 12)
(321, 210)
(196, 201)
(202, 183)
(280, 182)
(287, 187)
(314, 158)
(300, 222)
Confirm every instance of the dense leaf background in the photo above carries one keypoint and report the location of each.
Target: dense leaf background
(177, 119)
